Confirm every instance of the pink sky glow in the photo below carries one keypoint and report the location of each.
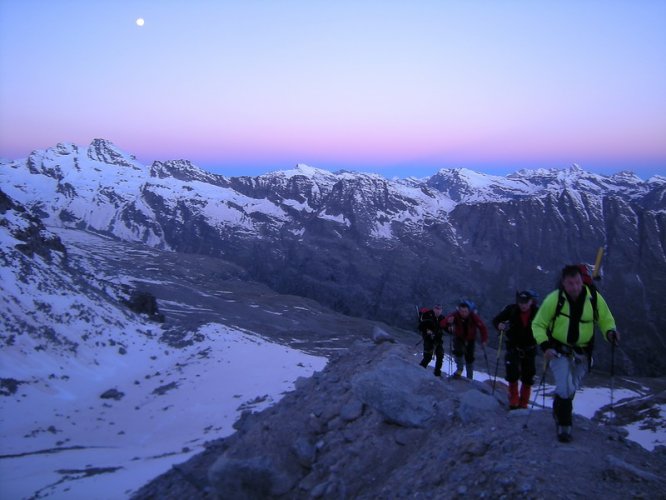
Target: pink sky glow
(397, 88)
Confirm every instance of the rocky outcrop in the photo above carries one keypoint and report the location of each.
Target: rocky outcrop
(32, 238)
(374, 424)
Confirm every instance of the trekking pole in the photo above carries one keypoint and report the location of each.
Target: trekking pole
(612, 383)
(542, 387)
(499, 350)
(418, 314)
(485, 355)
(450, 354)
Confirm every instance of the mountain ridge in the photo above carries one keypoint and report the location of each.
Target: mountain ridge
(373, 247)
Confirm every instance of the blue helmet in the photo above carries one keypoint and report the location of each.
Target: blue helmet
(467, 303)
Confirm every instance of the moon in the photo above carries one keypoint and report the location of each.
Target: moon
(140, 21)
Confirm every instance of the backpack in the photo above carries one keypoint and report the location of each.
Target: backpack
(421, 311)
(585, 273)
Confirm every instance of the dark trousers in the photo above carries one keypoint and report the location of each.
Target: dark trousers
(519, 364)
(562, 410)
(464, 347)
(430, 345)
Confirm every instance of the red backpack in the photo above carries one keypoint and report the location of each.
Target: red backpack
(585, 273)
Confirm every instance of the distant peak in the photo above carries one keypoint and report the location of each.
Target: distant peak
(184, 170)
(304, 170)
(105, 151)
(66, 148)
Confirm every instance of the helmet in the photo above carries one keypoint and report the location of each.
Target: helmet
(467, 303)
(525, 295)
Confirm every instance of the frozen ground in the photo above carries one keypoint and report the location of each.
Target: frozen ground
(61, 440)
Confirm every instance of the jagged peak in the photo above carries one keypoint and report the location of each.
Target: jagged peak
(466, 178)
(304, 170)
(184, 170)
(105, 151)
(65, 148)
(300, 170)
(174, 165)
(60, 149)
(626, 176)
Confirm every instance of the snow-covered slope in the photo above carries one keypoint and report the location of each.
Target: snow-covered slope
(98, 425)
(94, 399)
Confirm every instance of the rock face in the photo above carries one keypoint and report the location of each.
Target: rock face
(374, 248)
(374, 424)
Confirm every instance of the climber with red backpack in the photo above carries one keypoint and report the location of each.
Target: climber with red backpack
(463, 324)
(564, 329)
(430, 326)
(515, 323)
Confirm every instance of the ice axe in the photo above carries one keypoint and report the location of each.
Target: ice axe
(612, 383)
(596, 272)
(499, 350)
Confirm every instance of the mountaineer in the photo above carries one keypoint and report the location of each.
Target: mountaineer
(463, 323)
(514, 323)
(430, 326)
(564, 329)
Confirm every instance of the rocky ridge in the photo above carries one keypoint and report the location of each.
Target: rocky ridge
(373, 424)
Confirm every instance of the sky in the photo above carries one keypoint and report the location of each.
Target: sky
(394, 87)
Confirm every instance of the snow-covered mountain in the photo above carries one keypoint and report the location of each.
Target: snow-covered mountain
(373, 247)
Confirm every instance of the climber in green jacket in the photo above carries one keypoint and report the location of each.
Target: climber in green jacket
(564, 329)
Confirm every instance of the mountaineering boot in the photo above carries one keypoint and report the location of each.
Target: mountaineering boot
(438, 366)
(513, 395)
(525, 392)
(564, 433)
(469, 368)
(562, 409)
(427, 357)
(459, 368)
